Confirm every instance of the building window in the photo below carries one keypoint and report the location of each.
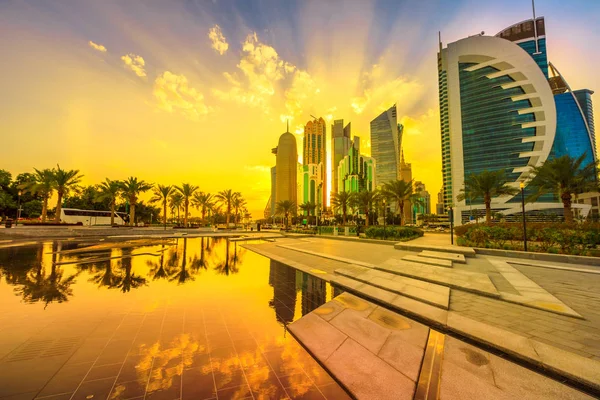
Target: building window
(594, 202)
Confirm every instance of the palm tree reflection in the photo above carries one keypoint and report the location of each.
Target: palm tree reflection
(230, 264)
(183, 274)
(47, 289)
(128, 280)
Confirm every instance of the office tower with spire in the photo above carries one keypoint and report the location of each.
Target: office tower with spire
(386, 142)
(340, 144)
(313, 176)
(504, 106)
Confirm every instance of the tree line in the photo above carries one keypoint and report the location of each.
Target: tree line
(563, 177)
(399, 193)
(34, 190)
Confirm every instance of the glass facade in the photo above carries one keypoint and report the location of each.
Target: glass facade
(584, 98)
(571, 133)
(386, 139)
(541, 57)
(491, 123)
(445, 131)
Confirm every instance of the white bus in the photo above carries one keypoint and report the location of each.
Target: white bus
(91, 217)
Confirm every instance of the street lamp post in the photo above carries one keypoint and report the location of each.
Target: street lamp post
(384, 209)
(522, 186)
(19, 193)
(451, 212)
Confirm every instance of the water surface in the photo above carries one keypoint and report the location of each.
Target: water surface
(196, 318)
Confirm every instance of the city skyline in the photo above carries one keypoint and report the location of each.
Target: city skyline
(165, 93)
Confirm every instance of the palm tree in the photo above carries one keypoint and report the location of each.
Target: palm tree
(161, 195)
(128, 280)
(109, 190)
(176, 202)
(238, 203)
(64, 180)
(43, 185)
(186, 191)
(364, 201)
(399, 191)
(227, 197)
(564, 176)
(286, 207)
(203, 202)
(341, 201)
(131, 188)
(486, 185)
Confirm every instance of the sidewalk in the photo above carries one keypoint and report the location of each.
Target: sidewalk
(541, 321)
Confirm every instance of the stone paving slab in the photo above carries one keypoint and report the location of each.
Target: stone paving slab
(427, 260)
(380, 351)
(469, 372)
(458, 258)
(530, 293)
(377, 354)
(433, 294)
(457, 279)
(553, 266)
(466, 251)
(431, 315)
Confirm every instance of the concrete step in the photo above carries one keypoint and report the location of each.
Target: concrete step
(431, 261)
(430, 293)
(466, 251)
(458, 258)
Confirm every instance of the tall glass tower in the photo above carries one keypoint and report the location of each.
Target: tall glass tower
(503, 106)
(340, 144)
(386, 141)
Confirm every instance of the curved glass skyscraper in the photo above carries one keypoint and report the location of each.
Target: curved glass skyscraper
(503, 106)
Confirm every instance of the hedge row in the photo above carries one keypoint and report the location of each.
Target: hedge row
(393, 232)
(576, 239)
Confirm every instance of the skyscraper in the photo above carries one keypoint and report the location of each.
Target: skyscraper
(314, 159)
(356, 172)
(340, 144)
(386, 141)
(406, 176)
(286, 168)
(503, 106)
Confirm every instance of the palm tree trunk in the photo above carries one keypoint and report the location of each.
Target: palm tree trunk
(45, 209)
(367, 218)
(566, 200)
(58, 207)
(228, 212)
(488, 212)
(132, 214)
(186, 213)
(165, 213)
(401, 207)
(112, 212)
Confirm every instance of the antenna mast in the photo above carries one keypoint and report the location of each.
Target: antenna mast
(537, 49)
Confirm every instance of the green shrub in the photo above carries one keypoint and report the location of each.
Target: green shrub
(554, 237)
(393, 232)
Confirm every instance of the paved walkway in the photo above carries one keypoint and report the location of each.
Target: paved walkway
(378, 354)
(557, 307)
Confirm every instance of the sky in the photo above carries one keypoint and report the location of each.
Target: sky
(199, 91)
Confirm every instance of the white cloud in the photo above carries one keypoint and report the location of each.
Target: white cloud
(174, 94)
(97, 46)
(218, 41)
(303, 89)
(135, 63)
(261, 69)
(380, 93)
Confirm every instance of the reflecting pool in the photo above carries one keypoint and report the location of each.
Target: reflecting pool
(189, 318)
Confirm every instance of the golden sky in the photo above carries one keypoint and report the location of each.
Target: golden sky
(199, 92)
